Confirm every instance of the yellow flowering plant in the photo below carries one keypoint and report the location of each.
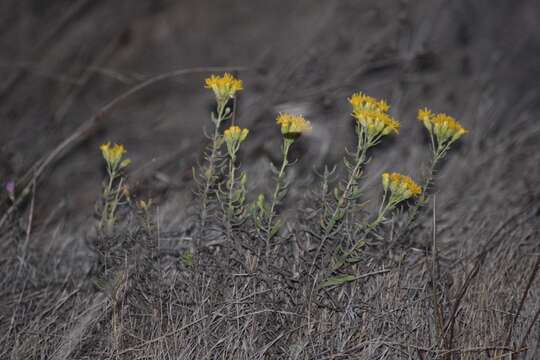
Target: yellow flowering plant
(235, 194)
(372, 123)
(292, 127)
(114, 190)
(443, 131)
(113, 156)
(373, 120)
(225, 88)
(397, 188)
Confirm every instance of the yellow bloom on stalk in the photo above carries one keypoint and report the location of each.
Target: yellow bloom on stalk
(445, 128)
(234, 133)
(359, 100)
(292, 126)
(401, 187)
(113, 155)
(224, 87)
(234, 136)
(376, 123)
(425, 116)
(372, 115)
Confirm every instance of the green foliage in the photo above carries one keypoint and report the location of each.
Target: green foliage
(338, 280)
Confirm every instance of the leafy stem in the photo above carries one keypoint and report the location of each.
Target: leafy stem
(232, 181)
(209, 172)
(277, 196)
(343, 204)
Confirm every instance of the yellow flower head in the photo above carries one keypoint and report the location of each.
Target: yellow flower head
(224, 87)
(234, 136)
(445, 128)
(400, 186)
(372, 115)
(425, 115)
(234, 133)
(376, 123)
(113, 155)
(292, 126)
(362, 101)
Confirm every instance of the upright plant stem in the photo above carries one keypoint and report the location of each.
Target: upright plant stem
(229, 211)
(438, 154)
(370, 227)
(209, 172)
(275, 196)
(343, 203)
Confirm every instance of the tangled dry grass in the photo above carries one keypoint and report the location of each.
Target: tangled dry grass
(463, 285)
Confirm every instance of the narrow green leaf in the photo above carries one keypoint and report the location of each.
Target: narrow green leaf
(187, 258)
(275, 229)
(338, 280)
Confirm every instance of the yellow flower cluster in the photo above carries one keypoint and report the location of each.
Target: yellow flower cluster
(372, 115)
(401, 187)
(113, 155)
(292, 126)
(362, 101)
(234, 136)
(224, 87)
(445, 128)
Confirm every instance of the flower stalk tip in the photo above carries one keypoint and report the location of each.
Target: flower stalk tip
(292, 126)
(113, 155)
(234, 136)
(372, 116)
(401, 187)
(442, 128)
(224, 87)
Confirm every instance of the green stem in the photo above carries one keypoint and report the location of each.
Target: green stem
(111, 219)
(369, 228)
(275, 196)
(106, 197)
(229, 212)
(438, 153)
(209, 173)
(343, 204)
